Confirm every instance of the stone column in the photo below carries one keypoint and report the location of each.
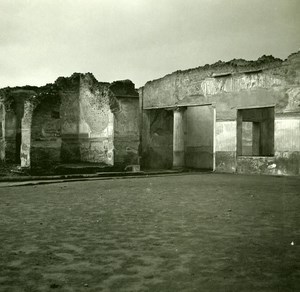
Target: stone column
(2, 132)
(26, 134)
(256, 138)
(239, 133)
(178, 139)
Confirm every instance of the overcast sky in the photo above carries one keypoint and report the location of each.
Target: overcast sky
(139, 40)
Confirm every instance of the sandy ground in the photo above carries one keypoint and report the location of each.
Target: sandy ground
(201, 232)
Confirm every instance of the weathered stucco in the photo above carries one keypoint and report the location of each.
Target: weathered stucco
(126, 132)
(199, 152)
(157, 139)
(26, 134)
(70, 121)
(46, 133)
(95, 121)
(2, 132)
(229, 87)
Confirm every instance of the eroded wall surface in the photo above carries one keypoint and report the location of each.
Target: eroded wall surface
(13, 101)
(96, 122)
(86, 112)
(126, 132)
(199, 137)
(46, 133)
(70, 121)
(234, 85)
(69, 115)
(2, 132)
(26, 134)
(157, 139)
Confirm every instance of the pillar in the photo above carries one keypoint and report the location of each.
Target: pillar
(2, 132)
(256, 139)
(178, 138)
(26, 134)
(239, 133)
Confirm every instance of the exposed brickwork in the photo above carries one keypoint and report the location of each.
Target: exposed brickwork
(72, 120)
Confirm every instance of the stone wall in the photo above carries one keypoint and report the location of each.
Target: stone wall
(199, 151)
(95, 121)
(157, 139)
(68, 89)
(2, 132)
(126, 132)
(232, 86)
(73, 120)
(46, 133)
(13, 110)
(86, 112)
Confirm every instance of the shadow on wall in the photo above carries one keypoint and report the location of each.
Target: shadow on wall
(159, 151)
(46, 133)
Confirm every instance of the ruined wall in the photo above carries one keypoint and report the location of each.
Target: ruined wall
(13, 111)
(126, 132)
(69, 114)
(86, 119)
(96, 122)
(126, 124)
(234, 85)
(70, 121)
(199, 137)
(157, 139)
(2, 132)
(11, 127)
(46, 133)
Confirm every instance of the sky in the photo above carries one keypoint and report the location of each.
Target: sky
(140, 40)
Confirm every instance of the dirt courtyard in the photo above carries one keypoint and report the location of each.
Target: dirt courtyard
(196, 232)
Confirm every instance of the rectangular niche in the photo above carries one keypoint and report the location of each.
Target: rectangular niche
(255, 132)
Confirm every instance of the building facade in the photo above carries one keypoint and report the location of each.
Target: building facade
(238, 117)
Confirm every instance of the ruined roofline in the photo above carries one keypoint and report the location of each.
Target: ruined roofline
(28, 87)
(233, 66)
(124, 89)
(64, 80)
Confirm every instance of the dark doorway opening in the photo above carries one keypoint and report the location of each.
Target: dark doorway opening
(255, 132)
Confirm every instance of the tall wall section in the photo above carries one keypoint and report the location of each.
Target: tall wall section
(87, 119)
(229, 87)
(46, 138)
(126, 124)
(96, 121)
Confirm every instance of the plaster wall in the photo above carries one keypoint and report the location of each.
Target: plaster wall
(69, 114)
(2, 132)
(46, 134)
(232, 86)
(12, 135)
(86, 120)
(199, 137)
(96, 122)
(126, 132)
(157, 139)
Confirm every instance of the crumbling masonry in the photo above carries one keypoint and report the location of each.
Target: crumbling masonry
(238, 116)
(74, 120)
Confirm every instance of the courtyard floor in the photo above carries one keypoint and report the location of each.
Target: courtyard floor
(196, 232)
